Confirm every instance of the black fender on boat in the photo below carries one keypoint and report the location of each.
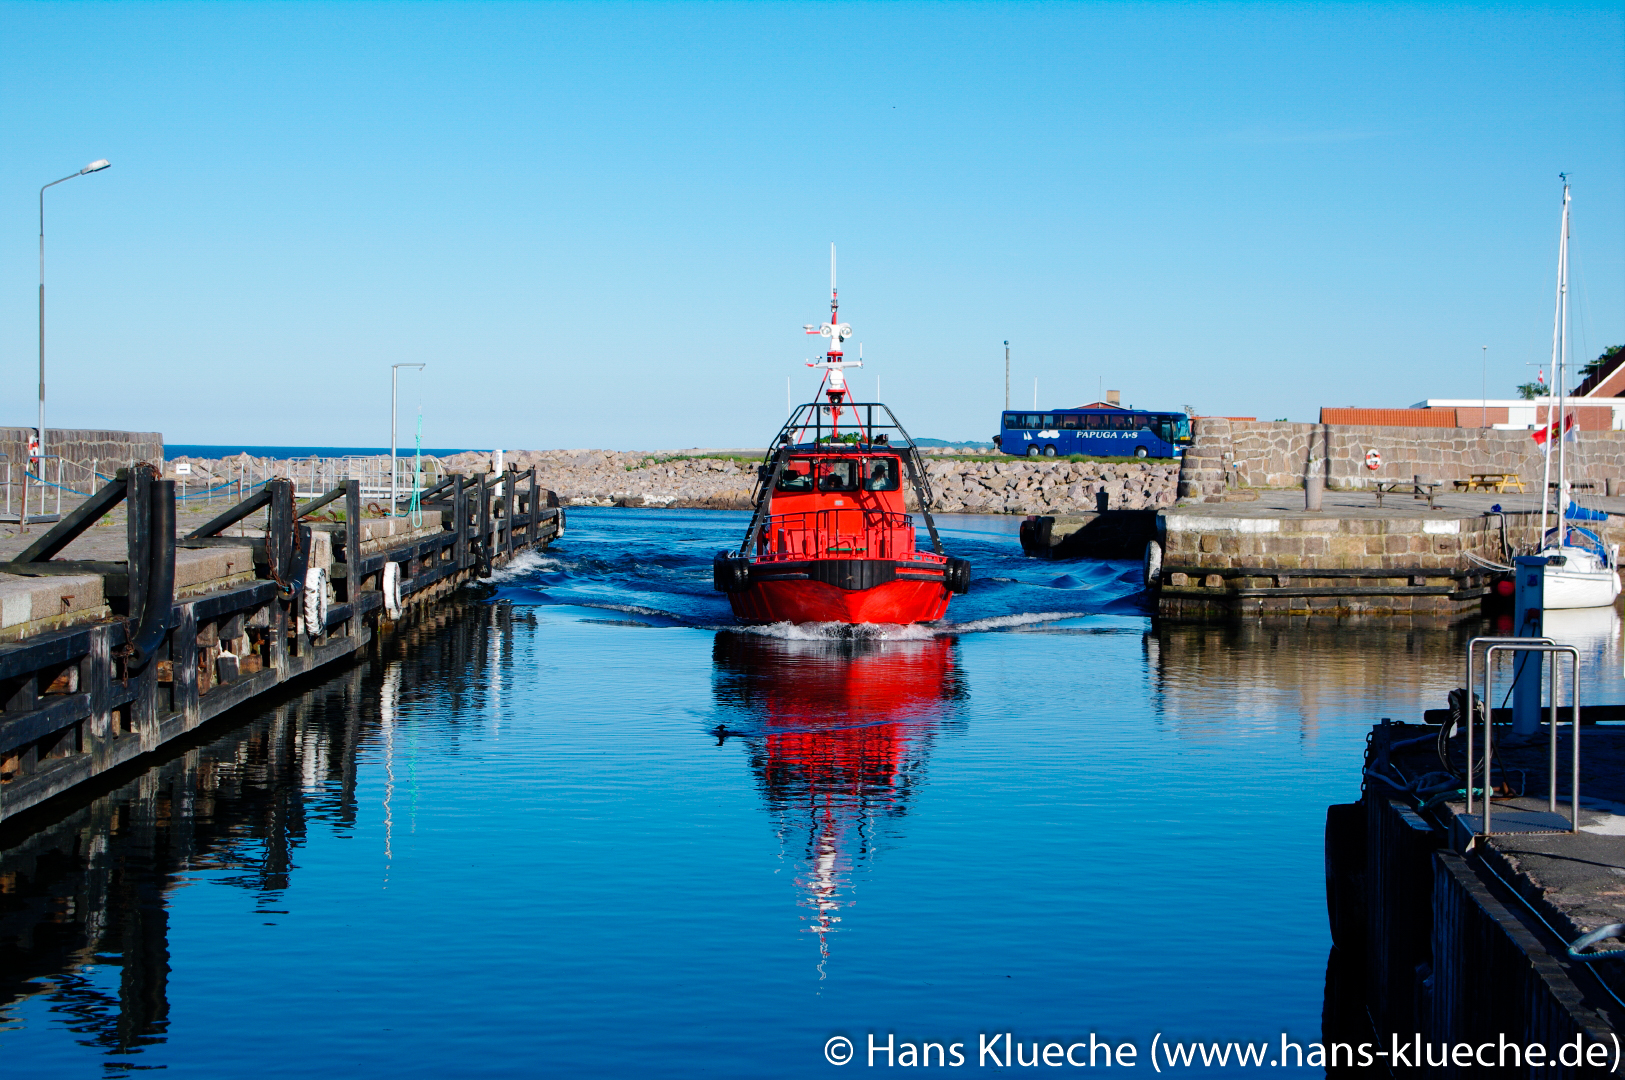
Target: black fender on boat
(729, 574)
(956, 576)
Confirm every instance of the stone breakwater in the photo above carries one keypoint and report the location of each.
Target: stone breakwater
(719, 482)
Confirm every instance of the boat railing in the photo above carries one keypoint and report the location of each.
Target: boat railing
(836, 534)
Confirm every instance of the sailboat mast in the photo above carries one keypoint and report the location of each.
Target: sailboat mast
(1562, 379)
(1557, 338)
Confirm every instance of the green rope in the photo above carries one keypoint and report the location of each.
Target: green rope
(417, 478)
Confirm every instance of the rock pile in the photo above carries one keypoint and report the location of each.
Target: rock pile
(623, 478)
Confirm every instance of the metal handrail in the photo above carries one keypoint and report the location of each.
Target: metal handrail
(1471, 645)
(1530, 645)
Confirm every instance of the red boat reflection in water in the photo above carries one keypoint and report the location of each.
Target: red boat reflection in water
(838, 732)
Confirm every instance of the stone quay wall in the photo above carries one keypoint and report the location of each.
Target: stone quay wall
(695, 479)
(82, 449)
(1231, 455)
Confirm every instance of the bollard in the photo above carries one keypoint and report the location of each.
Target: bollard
(1314, 486)
(1528, 603)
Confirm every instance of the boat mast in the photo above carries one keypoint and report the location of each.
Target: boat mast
(1554, 427)
(1562, 370)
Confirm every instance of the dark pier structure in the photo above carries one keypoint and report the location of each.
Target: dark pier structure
(102, 662)
(1447, 934)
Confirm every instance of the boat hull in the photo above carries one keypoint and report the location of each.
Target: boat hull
(1567, 589)
(901, 601)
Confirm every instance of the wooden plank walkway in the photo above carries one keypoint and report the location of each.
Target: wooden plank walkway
(102, 661)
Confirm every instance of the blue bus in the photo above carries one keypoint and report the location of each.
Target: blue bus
(1102, 432)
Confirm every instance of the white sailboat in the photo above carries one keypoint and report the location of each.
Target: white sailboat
(1581, 571)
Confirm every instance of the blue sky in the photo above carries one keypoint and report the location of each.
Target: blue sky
(603, 225)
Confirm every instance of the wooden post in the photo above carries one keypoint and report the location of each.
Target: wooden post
(183, 668)
(484, 510)
(279, 530)
(535, 508)
(352, 539)
(138, 507)
(277, 637)
(459, 518)
(144, 706)
(95, 678)
(510, 500)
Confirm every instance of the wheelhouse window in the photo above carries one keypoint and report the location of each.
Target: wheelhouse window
(797, 476)
(838, 475)
(880, 474)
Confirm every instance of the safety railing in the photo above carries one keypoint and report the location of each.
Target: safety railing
(1540, 646)
(824, 534)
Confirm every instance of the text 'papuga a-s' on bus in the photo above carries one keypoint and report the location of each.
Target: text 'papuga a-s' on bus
(1101, 432)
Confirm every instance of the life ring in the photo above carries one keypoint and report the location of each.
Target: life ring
(392, 589)
(315, 601)
(1373, 460)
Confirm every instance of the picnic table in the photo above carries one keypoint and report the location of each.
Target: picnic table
(1491, 481)
(1419, 489)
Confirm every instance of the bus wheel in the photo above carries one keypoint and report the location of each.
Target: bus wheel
(1140, 451)
(1049, 451)
(1032, 451)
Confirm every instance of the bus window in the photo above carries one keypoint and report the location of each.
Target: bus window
(1012, 421)
(880, 474)
(796, 477)
(840, 475)
(1049, 420)
(1092, 421)
(1068, 422)
(1033, 421)
(1165, 431)
(1182, 429)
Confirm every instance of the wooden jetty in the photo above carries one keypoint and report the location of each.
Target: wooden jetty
(1445, 934)
(104, 661)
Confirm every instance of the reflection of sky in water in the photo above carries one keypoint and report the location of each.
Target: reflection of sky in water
(582, 831)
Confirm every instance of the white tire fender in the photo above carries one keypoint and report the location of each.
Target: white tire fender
(315, 601)
(392, 589)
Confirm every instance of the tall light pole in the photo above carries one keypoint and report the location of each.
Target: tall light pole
(1484, 389)
(1006, 376)
(94, 166)
(394, 396)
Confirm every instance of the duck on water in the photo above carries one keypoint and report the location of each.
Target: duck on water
(829, 539)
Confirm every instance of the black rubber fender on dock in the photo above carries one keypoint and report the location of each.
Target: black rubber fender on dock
(1345, 875)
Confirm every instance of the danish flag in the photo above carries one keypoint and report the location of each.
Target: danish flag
(1549, 430)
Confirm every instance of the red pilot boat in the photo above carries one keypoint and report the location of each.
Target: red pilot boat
(830, 539)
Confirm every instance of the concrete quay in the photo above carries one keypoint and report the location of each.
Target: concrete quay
(1271, 557)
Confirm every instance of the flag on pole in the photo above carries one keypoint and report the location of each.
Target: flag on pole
(1542, 434)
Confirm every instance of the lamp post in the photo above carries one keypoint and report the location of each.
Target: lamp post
(94, 166)
(1006, 376)
(394, 395)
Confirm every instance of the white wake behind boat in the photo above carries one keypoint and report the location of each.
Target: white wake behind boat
(1581, 571)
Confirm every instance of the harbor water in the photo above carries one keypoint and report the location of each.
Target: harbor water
(579, 824)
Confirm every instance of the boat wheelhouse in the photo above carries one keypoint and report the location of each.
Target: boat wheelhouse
(831, 538)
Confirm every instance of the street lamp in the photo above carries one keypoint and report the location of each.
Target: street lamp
(94, 166)
(394, 394)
